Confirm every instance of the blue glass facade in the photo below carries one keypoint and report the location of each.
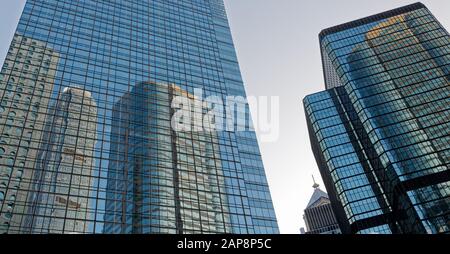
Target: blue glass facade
(108, 162)
(380, 132)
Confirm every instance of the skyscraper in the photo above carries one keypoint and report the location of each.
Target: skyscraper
(162, 180)
(190, 182)
(59, 193)
(319, 216)
(380, 132)
(26, 82)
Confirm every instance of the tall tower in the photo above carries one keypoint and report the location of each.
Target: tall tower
(26, 83)
(156, 171)
(58, 200)
(108, 48)
(380, 132)
(319, 217)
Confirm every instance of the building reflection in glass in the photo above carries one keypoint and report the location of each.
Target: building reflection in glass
(26, 82)
(58, 200)
(161, 180)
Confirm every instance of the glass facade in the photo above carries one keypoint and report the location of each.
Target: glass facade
(381, 130)
(86, 142)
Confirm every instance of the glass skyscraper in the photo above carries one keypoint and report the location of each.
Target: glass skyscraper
(86, 142)
(381, 131)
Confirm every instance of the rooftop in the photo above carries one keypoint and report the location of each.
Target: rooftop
(369, 19)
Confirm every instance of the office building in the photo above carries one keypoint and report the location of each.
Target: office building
(380, 132)
(319, 216)
(58, 199)
(26, 82)
(110, 49)
(161, 180)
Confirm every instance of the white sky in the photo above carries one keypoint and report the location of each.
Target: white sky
(278, 50)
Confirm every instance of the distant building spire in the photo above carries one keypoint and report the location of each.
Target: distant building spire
(315, 185)
(319, 217)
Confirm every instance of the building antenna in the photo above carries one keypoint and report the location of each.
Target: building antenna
(315, 185)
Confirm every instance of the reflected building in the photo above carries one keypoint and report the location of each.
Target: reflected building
(59, 196)
(380, 132)
(161, 180)
(26, 83)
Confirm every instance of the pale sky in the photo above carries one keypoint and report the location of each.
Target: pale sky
(278, 50)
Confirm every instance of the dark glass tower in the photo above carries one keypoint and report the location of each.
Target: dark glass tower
(381, 131)
(106, 160)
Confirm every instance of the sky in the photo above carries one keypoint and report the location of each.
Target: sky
(279, 55)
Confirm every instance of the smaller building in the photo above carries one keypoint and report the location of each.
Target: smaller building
(319, 216)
